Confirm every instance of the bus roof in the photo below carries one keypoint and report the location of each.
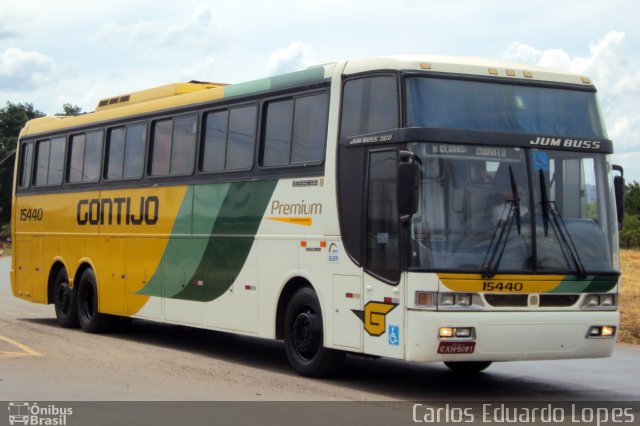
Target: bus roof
(466, 66)
(184, 94)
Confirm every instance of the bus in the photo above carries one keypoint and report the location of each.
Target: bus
(428, 209)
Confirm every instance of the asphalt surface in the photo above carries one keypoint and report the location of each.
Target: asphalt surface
(157, 362)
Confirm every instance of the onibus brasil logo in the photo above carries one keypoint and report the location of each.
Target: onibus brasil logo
(27, 413)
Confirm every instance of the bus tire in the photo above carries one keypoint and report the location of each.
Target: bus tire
(65, 300)
(89, 318)
(468, 366)
(303, 337)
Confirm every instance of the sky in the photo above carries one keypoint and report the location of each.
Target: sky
(67, 51)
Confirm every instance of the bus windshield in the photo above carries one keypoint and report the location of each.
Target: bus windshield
(499, 107)
(495, 209)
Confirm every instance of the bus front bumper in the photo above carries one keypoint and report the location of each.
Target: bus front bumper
(509, 336)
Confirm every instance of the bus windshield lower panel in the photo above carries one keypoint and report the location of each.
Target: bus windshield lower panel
(495, 209)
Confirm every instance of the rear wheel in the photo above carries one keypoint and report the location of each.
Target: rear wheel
(65, 300)
(303, 337)
(90, 319)
(468, 366)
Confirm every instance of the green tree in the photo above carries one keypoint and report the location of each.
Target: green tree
(12, 118)
(632, 198)
(630, 234)
(70, 110)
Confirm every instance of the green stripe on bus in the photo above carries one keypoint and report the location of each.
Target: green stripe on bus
(311, 75)
(231, 239)
(183, 252)
(203, 266)
(592, 284)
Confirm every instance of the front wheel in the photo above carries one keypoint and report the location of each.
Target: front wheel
(90, 319)
(468, 366)
(65, 300)
(303, 337)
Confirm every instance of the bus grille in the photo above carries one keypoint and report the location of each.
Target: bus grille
(522, 300)
(558, 300)
(507, 300)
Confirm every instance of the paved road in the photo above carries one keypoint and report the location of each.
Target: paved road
(149, 361)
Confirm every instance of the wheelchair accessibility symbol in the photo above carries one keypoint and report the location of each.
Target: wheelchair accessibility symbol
(394, 335)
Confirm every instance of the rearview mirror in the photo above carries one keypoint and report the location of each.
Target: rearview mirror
(618, 186)
(408, 184)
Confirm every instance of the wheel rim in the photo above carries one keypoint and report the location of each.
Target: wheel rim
(306, 332)
(63, 297)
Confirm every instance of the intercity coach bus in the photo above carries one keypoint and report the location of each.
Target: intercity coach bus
(418, 208)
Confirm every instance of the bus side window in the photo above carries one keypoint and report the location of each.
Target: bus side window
(229, 139)
(295, 130)
(184, 145)
(309, 129)
(26, 165)
(214, 148)
(125, 152)
(115, 153)
(135, 143)
(369, 105)
(56, 161)
(241, 140)
(42, 162)
(85, 157)
(161, 148)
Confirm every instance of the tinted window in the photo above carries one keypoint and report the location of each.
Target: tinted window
(50, 160)
(85, 157)
(215, 141)
(161, 148)
(134, 150)
(174, 145)
(277, 138)
(115, 154)
(92, 157)
(26, 161)
(369, 105)
(183, 148)
(498, 107)
(309, 129)
(383, 235)
(295, 130)
(76, 158)
(42, 164)
(56, 161)
(242, 138)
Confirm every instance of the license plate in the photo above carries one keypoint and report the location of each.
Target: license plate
(456, 347)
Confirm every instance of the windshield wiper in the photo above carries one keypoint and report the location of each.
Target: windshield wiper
(551, 215)
(501, 234)
(516, 199)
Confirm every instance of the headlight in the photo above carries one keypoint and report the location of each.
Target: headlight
(607, 300)
(600, 331)
(447, 299)
(464, 300)
(456, 300)
(592, 300)
(599, 301)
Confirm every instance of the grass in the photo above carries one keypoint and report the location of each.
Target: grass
(629, 300)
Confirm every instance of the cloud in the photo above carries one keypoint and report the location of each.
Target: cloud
(20, 70)
(615, 75)
(198, 30)
(295, 57)
(203, 71)
(13, 23)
